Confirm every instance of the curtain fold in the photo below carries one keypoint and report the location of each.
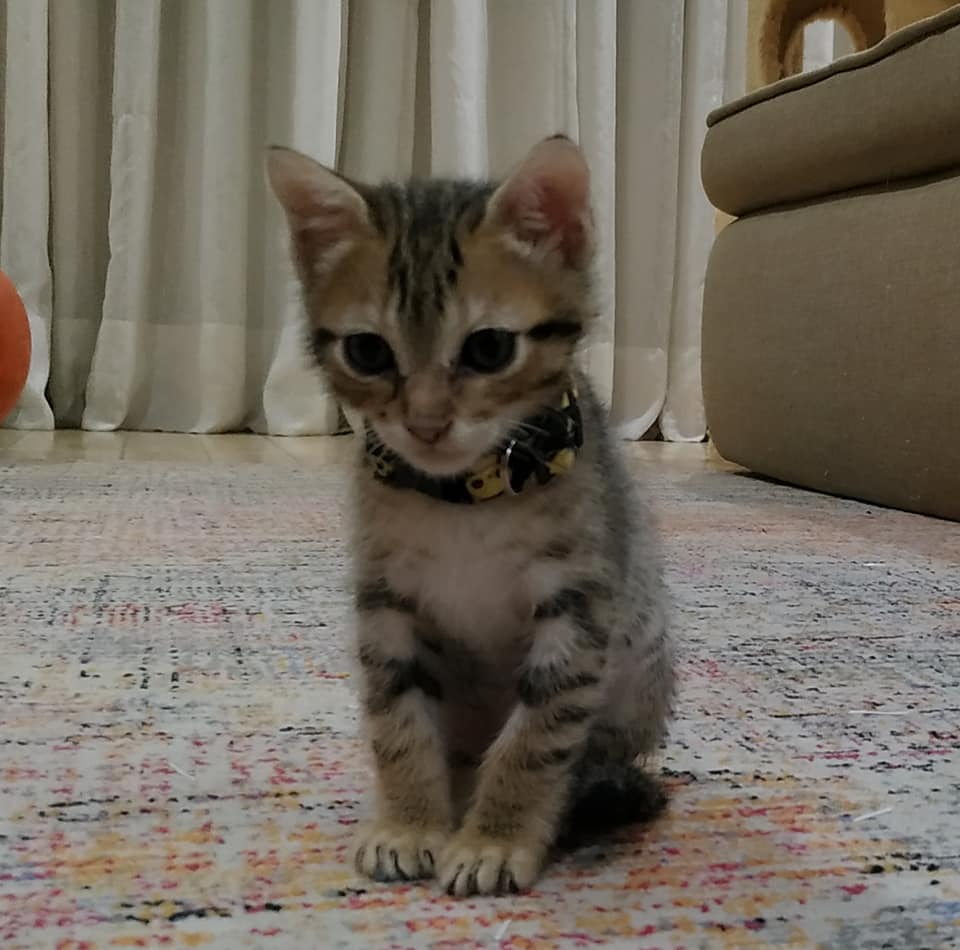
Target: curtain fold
(25, 208)
(703, 88)
(125, 343)
(136, 223)
(80, 144)
(648, 156)
(303, 68)
(596, 114)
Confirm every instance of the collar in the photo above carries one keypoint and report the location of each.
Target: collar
(537, 451)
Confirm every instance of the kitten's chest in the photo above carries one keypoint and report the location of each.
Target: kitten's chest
(468, 589)
(467, 570)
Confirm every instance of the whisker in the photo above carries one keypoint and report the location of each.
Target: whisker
(527, 427)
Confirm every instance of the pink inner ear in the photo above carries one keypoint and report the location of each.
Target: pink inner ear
(318, 231)
(547, 205)
(565, 216)
(327, 221)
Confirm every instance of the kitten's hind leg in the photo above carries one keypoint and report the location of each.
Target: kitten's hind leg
(610, 789)
(610, 786)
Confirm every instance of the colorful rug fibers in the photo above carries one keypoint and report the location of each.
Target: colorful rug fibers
(180, 766)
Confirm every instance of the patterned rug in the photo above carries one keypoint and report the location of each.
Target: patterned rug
(179, 762)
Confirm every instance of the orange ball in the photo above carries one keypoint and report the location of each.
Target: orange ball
(14, 346)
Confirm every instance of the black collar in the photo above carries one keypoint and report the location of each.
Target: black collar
(536, 452)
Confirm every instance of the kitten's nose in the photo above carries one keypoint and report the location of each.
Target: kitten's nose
(428, 430)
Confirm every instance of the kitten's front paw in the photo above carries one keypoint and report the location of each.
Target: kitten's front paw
(388, 852)
(473, 864)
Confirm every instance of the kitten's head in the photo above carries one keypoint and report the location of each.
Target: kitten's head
(444, 311)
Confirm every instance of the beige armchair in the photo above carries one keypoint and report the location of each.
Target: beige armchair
(831, 328)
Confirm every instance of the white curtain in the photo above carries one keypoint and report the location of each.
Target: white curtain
(137, 227)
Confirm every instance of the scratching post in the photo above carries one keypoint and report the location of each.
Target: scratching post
(775, 29)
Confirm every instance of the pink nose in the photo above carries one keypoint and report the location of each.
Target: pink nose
(428, 432)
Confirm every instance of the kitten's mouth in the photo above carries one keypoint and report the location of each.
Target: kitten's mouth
(440, 460)
(448, 456)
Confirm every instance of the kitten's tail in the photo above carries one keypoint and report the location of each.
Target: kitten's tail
(625, 795)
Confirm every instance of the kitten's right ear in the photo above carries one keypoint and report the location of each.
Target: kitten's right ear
(544, 206)
(326, 214)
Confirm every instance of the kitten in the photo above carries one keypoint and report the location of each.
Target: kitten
(511, 625)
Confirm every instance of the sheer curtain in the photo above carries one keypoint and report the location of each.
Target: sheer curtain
(137, 228)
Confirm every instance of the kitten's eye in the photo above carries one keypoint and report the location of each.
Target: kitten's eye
(368, 353)
(487, 351)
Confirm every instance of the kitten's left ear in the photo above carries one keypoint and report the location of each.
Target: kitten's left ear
(544, 205)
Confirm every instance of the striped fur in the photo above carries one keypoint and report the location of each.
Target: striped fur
(514, 656)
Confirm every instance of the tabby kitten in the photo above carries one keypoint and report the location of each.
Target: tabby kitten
(512, 640)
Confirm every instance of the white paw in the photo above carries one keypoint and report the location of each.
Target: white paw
(472, 864)
(399, 853)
